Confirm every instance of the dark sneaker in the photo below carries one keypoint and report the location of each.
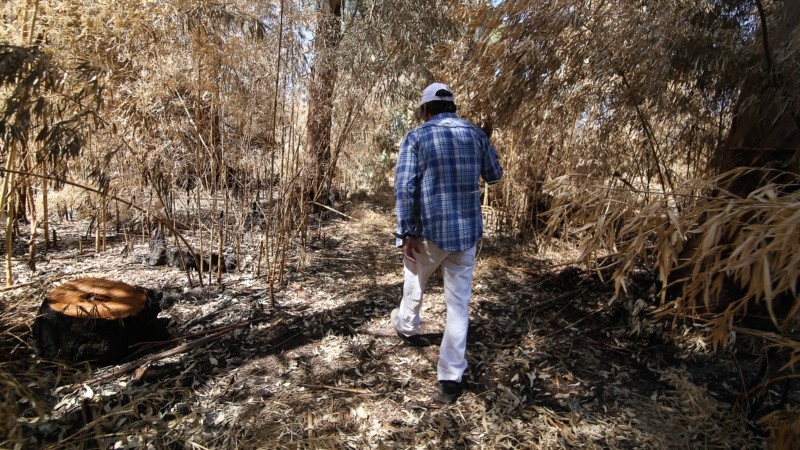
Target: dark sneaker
(449, 391)
(413, 341)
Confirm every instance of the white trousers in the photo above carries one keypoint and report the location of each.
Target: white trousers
(457, 268)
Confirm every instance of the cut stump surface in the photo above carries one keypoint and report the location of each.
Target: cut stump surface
(99, 320)
(97, 298)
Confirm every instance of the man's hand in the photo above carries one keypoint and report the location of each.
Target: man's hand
(410, 246)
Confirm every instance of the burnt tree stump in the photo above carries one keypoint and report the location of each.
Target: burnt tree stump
(98, 320)
(157, 256)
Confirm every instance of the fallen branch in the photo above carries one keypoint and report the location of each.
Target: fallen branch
(143, 346)
(167, 353)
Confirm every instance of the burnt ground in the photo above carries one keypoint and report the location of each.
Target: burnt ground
(557, 360)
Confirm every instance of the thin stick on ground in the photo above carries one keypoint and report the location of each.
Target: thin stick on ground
(167, 353)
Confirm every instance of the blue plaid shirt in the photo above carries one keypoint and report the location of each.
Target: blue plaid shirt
(436, 185)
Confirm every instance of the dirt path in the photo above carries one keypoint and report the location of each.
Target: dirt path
(556, 360)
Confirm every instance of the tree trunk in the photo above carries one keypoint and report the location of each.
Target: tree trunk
(320, 99)
(764, 131)
(764, 134)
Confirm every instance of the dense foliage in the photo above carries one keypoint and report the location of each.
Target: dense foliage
(613, 121)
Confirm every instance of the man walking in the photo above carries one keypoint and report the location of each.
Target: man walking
(439, 222)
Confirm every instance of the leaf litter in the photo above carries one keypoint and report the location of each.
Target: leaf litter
(556, 360)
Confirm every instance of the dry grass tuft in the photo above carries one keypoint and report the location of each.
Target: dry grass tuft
(728, 261)
(784, 427)
(21, 402)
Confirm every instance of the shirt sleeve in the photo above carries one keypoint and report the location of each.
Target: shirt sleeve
(407, 186)
(491, 171)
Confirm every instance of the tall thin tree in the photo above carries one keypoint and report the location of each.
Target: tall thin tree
(320, 97)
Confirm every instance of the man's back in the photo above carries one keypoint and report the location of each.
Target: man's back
(439, 170)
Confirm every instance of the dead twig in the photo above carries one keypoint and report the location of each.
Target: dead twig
(596, 343)
(564, 328)
(17, 286)
(762, 388)
(331, 209)
(537, 270)
(339, 389)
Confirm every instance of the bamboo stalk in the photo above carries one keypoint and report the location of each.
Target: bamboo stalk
(25, 32)
(117, 219)
(215, 221)
(220, 240)
(268, 243)
(32, 27)
(45, 207)
(238, 247)
(275, 98)
(183, 263)
(98, 218)
(127, 238)
(260, 257)
(199, 257)
(8, 191)
(10, 218)
(269, 255)
(212, 235)
(105, 222)
(27, 35)
(283, 258)
(166, 222)
(32, 244)
(224, 217)
(31, 199)
(276, 259)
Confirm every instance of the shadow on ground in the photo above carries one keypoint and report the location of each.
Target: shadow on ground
(556, 360)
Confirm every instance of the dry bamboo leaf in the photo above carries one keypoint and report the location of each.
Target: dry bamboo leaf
(784, 427)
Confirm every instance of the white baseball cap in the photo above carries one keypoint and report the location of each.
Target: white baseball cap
(429, 94)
